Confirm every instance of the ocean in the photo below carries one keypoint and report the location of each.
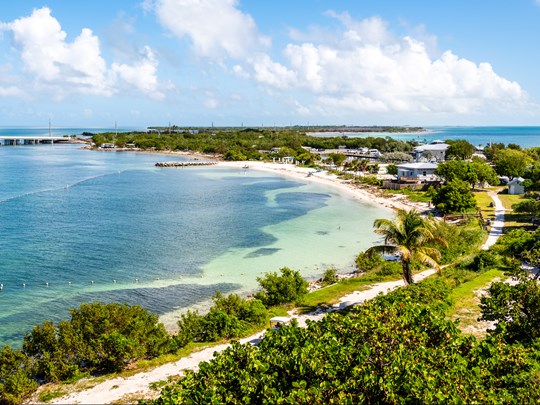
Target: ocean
(526, 137)
(80, 226)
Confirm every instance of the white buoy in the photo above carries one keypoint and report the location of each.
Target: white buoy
(92, 281)
(24, 285)
(47, 284)
(114, 281)
(1, 287)
(69, 282)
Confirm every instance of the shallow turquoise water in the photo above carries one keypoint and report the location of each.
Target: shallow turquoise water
(81, 226)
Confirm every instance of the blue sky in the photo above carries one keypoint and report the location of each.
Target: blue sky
(262, 62)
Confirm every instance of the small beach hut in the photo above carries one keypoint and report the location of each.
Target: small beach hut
(515, 186)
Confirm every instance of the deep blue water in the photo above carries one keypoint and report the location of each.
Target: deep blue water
(78, 226)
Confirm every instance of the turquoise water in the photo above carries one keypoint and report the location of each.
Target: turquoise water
(80, 226)
(526, 137)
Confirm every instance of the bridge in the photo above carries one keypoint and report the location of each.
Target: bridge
(31, 140)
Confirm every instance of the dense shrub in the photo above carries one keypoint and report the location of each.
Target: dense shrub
(515, 242)
(99, 338)
(390, 268)
(229, 317)
(329, 277)
(515, 308)
(461, 240)
(485, 260)
(16, 376)
(382, 352)
(367, 262)
(288, 287)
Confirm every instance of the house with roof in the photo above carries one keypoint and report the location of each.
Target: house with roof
(435, 150)
(515, 186)
(417, 172)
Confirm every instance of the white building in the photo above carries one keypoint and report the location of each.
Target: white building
(515, 186)
(437, 150)
(417, 171)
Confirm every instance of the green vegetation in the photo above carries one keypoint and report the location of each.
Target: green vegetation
(511, 162)
(249, 143)
(459, 149)
(99, 338)
(455, 196)
(329, 277)
(515, 309)
(281, 289)
(398, 348)
(465, 297)
(410, 237)
(229, 317)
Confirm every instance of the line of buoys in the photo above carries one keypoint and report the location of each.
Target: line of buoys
(137, 280)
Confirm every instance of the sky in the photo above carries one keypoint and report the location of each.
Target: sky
(140, 63)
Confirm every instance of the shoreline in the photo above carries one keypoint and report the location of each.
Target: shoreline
(363, 193)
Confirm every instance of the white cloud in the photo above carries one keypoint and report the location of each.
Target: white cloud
(142, 76)
(274, 74)
(60, 67)
(217, 28)
(11, 91)
(46, 54)
(365, 68)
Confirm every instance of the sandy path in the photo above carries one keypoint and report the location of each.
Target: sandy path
(117, 388)
(498, 224)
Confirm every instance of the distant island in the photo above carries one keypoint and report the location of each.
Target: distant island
(304, 128)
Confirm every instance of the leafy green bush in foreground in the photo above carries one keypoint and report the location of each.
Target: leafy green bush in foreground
(288, 287)
(99, 338)
(229, 317)
(393, 350)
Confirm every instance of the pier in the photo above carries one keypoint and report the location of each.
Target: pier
(14, 140)
(183, 164)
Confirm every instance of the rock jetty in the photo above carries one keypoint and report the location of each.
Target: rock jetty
(183, 164)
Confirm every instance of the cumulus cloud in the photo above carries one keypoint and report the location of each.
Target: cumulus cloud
(142, 76)
(366, 68)
(75, 67)
(272, 73)
(216, 28)
(46, 54)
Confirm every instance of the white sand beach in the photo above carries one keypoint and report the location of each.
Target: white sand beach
(363, 193)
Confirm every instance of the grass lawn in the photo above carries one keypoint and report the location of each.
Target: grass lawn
(330, 295)
(466, 302)
(416, 196)
(514, 220)
(483, 199)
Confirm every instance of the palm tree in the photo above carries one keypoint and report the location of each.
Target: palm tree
(410, 236)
